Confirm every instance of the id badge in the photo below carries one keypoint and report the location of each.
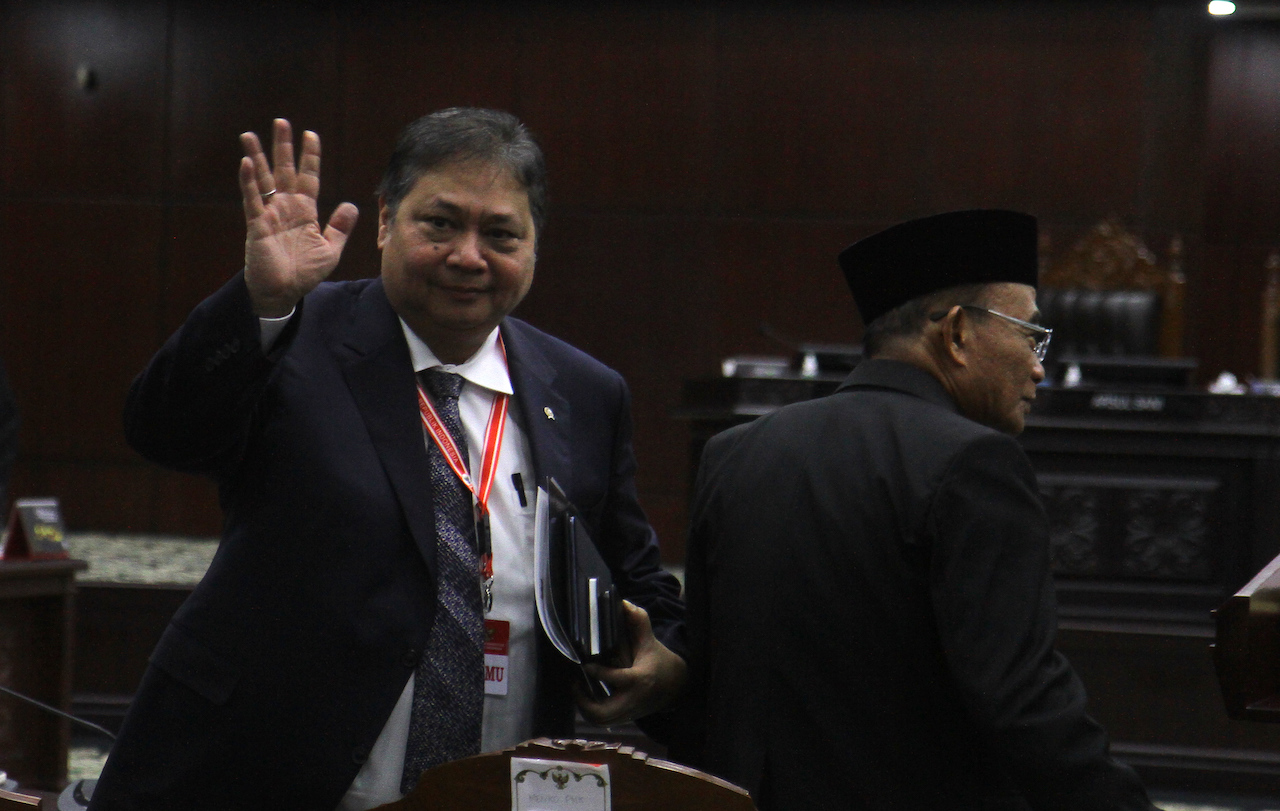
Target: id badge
(497, 649)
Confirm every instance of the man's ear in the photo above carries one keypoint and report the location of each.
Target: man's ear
(955, 332)
(385, 216)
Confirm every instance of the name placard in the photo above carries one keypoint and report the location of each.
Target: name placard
(559, 785)
(35, 531)
(1115, 401)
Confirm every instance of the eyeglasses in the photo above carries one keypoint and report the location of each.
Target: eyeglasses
(1040, 335)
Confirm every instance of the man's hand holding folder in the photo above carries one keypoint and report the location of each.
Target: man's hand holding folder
(627, 671)
(653, 681)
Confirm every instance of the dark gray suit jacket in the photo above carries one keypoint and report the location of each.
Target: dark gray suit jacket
(275, 678)
(872, 617)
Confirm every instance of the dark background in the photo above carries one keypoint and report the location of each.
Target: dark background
(707, 161)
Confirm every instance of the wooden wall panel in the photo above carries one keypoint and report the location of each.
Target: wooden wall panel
(204, 250)
(621, 98)
(1243, 149)
(1226, 300)
(1060, 137)
(1171, 190)
(800, 294)
(72, 311)
(1242, 208)
(8, 44)
(237, 66)
(62, 139)
(400, 62)
(76, 299)
(707, 162)
(818, 112)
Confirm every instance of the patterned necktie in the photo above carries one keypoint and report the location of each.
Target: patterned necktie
(448, 693)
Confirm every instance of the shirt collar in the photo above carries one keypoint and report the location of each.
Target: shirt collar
(486, 368)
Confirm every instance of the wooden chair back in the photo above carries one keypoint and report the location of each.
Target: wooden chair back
(1104, 267)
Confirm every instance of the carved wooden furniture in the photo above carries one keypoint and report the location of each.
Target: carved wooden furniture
(640, 783)
(37, 613)
(1247, 650)
(1157, 515)
(1109, 295)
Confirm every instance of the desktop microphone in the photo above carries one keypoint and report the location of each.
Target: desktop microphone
(74, 797)
(56, 711)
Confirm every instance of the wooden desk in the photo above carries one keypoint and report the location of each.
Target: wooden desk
(1161, 506)
(37, 615)
(1247, 649)
(117, 627)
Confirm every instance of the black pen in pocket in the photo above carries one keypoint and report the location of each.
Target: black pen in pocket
(519, 484)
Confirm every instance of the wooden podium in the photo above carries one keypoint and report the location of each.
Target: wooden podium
(638, 782)
(37, 615)
(1246, 652)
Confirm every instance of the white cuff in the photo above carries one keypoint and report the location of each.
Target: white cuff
(269, 329)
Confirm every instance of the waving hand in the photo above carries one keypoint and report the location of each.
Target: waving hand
(286, 253)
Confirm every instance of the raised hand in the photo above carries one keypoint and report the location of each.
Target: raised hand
(286, 254)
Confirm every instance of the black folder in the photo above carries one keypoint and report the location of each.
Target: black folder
(584, 601)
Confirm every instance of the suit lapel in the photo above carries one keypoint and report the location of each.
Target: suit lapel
(375, 361)
(546, 415)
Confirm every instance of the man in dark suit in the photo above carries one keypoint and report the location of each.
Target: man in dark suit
(871, 612)
(370, 610)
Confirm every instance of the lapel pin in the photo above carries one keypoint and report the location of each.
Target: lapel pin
(551, 415)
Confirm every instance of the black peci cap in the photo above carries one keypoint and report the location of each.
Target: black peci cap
(918, 257)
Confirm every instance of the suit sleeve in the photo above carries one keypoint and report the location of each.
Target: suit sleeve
(994, 601)
(192, 408)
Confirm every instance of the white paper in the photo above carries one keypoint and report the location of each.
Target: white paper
(553, 785)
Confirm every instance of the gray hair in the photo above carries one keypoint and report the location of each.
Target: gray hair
(911, 318)
(461, 134)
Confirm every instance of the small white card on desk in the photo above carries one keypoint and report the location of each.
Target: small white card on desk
(559, 785)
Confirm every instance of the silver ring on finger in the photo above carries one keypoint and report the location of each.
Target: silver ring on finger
(266, 195)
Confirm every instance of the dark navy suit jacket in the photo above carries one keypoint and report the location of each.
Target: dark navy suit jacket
(276, 676)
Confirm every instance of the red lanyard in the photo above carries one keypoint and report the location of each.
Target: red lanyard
(453, 455)
(488, 468)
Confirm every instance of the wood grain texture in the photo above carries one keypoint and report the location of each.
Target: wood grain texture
(707, 161)
(83, 99)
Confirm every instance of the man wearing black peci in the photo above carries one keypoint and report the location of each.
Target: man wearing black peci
(377, 444)
(871, 611)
